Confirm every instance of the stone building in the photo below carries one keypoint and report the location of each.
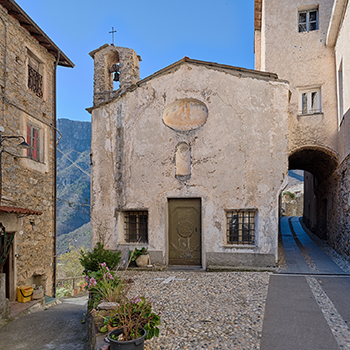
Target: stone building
(28, 61)
(189, 162)
(307, 43)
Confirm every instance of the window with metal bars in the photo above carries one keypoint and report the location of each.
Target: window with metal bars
(35, 79)
(33, 134)
(241, 227)
(308, 20)
(136, 226)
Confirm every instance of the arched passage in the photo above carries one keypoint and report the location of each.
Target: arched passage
(319, 164)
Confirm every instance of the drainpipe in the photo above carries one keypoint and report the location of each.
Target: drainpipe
(55, 177)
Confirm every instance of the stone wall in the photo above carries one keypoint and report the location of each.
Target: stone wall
(339, 209)
(28, 183)
(4, 302)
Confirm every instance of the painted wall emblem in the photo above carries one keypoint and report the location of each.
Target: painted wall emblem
(185, 114)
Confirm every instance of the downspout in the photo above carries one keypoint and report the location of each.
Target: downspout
(5, 73)
(55, 177)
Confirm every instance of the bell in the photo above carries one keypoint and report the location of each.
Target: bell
(116, 76)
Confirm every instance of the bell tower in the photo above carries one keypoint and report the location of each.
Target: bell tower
(113, 63)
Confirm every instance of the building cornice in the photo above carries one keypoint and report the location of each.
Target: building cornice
(337, 17)
(15, 11)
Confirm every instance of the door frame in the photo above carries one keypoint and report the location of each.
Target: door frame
(167, 230)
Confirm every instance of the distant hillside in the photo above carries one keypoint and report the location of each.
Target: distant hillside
(81, 237)
(73, 182)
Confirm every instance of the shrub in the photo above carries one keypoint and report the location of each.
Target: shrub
(91, 260)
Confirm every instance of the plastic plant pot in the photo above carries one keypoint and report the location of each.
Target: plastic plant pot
(136, 344)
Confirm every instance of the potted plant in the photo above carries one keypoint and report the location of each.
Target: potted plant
(140, 256)
(135, 322)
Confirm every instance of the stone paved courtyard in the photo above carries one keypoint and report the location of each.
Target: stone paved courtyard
(204, 310)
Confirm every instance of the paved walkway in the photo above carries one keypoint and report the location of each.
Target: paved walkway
(57, 328)
(308, 303)
(305, 306)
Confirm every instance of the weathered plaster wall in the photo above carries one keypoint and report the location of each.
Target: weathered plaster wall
(238, 159)
(342, 54)
(28, 183)
(339, 215)
(305, 61)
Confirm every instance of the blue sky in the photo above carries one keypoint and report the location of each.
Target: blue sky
(160, 31)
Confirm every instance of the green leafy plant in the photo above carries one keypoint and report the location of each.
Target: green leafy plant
(91, 260)
(62, 292)
(69, 263)
(103, 285)
(138, 252)
(290, 194)
(133, 314)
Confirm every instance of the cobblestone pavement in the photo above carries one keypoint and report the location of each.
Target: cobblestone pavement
(202, 310)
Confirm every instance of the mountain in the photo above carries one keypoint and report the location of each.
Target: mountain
(73, 183)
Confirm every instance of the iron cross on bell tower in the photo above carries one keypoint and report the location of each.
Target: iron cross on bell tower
(112, 32)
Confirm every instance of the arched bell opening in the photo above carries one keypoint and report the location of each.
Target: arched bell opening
(113, 66)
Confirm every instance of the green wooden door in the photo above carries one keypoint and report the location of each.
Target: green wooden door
(185, 231)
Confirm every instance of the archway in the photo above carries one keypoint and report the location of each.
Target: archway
(319, 164)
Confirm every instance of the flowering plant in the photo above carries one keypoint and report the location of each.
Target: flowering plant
(103, 285)
(133, 314)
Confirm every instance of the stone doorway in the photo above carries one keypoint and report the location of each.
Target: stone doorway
(185, 232)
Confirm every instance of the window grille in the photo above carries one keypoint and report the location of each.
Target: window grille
(308, 20)
(241, 227)
(35, 80)
(33, 142)
(136, 226)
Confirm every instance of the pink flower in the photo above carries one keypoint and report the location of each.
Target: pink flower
(86, 278)
(136, 300)
(92, 282)
(103, 264)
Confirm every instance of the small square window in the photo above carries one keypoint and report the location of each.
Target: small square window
(33, 140)
(310, 102)
(136, 226)
(241, 226)
(308, 20)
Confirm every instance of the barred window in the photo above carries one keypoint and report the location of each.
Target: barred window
(35, 79)
(136, 226)
(241, 226)
(33, 134)
(308, 20)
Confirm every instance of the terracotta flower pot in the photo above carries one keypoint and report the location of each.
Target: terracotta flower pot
(142, 260)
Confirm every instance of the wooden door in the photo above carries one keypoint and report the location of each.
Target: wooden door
(185, 231)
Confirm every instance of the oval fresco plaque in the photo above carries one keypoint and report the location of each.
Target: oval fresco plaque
(185, 114)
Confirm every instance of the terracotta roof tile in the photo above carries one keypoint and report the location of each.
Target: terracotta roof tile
(19, 210)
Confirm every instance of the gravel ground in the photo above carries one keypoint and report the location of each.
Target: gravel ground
(203, 310)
